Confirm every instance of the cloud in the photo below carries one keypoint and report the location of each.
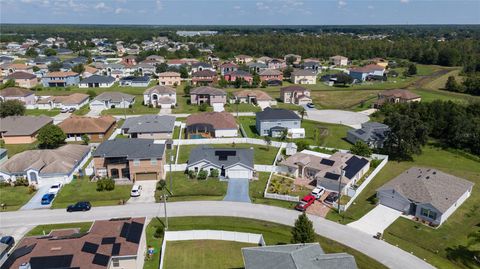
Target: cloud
(370, 7)
(237, 7)
(262, 6)
(120, 10)
(101, 6)
(159, 5)
(404, 1)
(342, 3)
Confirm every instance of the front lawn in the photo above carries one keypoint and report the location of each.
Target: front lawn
(84, 190)
(185, 189)
(273, 234)
(82, 111)
(257, 187)
(13, 149)
(47, 228)
(136, 109)
(434, 245)
(14, 197)
(39, 112)
(243, 107)
(204, 254)
(261, 155)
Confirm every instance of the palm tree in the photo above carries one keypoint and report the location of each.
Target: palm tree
(302, 112)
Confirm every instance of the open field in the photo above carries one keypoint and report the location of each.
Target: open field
(204, 254)
(273, 234)
(14, 197)
(424, 242)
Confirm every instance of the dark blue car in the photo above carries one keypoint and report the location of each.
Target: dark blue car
(47, 198)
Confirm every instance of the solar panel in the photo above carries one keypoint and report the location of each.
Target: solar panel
(101, 259)
(17, 253)
(124, 231)
(224, 154)
(135, 232)
(332, 176)
(90, 248)
(60, 261)
(327, 162)
(116, 249)
(108, 240)
(354, 165)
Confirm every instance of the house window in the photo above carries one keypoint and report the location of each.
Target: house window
(153, 161)
(136, 162)
(295, 123)
(196, 169)
(428, 213)
(100, 136)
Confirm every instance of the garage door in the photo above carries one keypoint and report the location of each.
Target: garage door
(146, 176)
(238, 174)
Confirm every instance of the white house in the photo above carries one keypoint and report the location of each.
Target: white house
(107, 100)
(74, 100)
(160, 96)
(303, 77)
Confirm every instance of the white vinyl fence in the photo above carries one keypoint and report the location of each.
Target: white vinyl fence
(209, 235)
(235, 140)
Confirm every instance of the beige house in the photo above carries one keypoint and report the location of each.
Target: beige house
(169, 78)
(243, 59)
(160, 96)
(339, 60)
(22, 129)
(303, 77)
(295, 95)
(23, 79)
(254, 97)
(396, 96)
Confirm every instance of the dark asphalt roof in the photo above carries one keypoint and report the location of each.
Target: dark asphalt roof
(354, 165)
(276, 114)
(214, 155)
(98, 79)
(131, 148)
(149, 124)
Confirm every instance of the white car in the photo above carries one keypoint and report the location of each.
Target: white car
(64, 110)
(318, 192)
(55, 188)
(136, 191)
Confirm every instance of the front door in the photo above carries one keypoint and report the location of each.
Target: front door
(222, 172)
(413, 209)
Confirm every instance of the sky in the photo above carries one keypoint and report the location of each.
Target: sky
(241, 12)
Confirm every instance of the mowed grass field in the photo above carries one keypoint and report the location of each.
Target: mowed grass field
(204, 254)
(440, 246)
(274, 234)
(14, 197)
(47, 228)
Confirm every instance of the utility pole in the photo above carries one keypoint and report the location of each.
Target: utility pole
(124, 109)
(342, 174)
(165, 207)
(171, 161)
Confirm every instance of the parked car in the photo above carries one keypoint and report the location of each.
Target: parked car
(310, 105)
(305, 203)
(71, 110)
(64, 110)
(47, 198)
(79, 206)
(136, 191)
(55, 188)
(8, 240)
(331, 198)
(318, 192)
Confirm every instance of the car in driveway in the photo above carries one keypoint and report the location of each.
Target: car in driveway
(310, 105)
(55, 188)
(136, 191)
(47, 198)
(331, 198)
(8, 240)
(306, 201)
(318, 192)
(79, 206)
(64, 110)
(72, 109)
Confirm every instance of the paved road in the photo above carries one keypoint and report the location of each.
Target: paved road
(237, 190)
(381, 251)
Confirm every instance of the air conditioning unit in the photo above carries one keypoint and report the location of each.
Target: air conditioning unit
(25, 265)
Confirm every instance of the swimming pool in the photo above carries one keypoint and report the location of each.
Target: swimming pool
(196, 136)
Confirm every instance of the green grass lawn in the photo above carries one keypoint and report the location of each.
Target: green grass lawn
(45, 112)
(82, 111)
(17, 148)
(14, 197)
(257, 188)
(427, 243)
(185, 189)
(261, 155)
(273, 234)
(204, 254)
(47, 228)
(243, 107)
(84, 190)
(136, 109)
(328, 135)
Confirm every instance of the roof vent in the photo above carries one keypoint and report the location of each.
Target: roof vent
(428, 177)
(434, 172)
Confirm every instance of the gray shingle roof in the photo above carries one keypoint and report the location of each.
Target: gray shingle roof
(208, 90)
(98, 79)
(149, 124)
(114, 97)
(370, 131)
(295, 256)
(130, 148)
(160, 89)
(23, 125)
(236, 156)
(428, 185)
(276, 114)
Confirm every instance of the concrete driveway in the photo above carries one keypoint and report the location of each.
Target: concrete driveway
(148, 192)
(60, 117)
(349, 118)
(94, 113)
(237, 190)
(377, 220)
(35, 201)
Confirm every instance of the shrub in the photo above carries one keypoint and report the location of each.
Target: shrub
(4, 184)
(159, 232)
(191, 174)
(202, 175)
(214, 173)
(203, 107)
(21, 182)
(105, 184)
(31, 189)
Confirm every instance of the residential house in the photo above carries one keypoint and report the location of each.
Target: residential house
(89, 71)
(108, 244)
(396, 96)
(313, 66)
(169, 79)
(200, 66)
(373, 134)
(207, 95)
(97, 81)
(23, 79)
(363, 73)
(116, 70)
(296, 59)
(129, 159)
(295, 256)
(264, 59)
(295, 95)
(43, 61)
(74, 100)
(211, 124)
(133, 81)
(254, 97)
(23, 95)
(379, 61)
(276, 64)
(204, 77)
(256, 67)
(229, 162)
(22, 129)
(243, 59)
(43, 167)
(149, 126)
(10, 68)
(177, 63)
(303, 77)
(96, 129)
(274, 122)
(6, 59)
(60, 79)
(130, 60)
(157, 58)
(271, 76)
(239, 74)
(427, 194)
(340, 171)
(228, 67)
(107, 100)
(160, 96)
(145, 68)
(339, 60)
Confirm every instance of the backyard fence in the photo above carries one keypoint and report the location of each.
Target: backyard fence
(235, 140)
